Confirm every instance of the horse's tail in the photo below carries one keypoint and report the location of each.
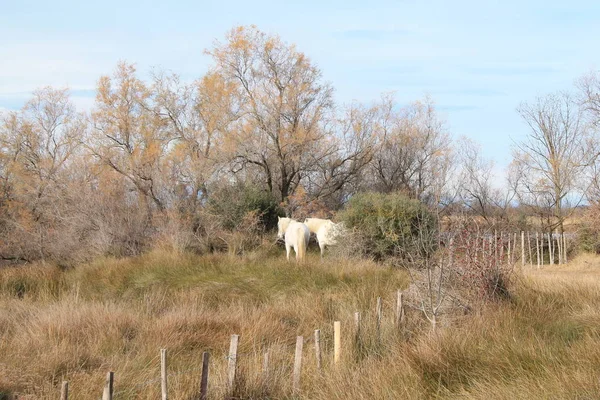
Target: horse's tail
(301, 243)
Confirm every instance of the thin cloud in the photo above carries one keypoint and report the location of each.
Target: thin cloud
(475, 92)
(371, 34)
(513, 70)
(457, 108)
(86, 93)
(13, 102)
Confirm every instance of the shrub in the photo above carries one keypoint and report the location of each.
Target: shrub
(589, 232)
(389, 225)
(480, 264)
(232, 203)
(236, 218)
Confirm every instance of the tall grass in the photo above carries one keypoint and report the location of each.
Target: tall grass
(115, 314)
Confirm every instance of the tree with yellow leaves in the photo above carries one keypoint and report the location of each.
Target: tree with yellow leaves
(38, 144)
(128, 136)
(283, 103)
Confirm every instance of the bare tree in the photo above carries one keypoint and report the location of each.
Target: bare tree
(555, 156)
(413, 151)
(476, 185)
(283, 105)
(352, 146)
(589, 91)
(428, 268)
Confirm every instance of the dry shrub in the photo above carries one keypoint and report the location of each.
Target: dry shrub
(480, 264)
(350, 244)
(175, 232)
(589, 232)
(246, 235)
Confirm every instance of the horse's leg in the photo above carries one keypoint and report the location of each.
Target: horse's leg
(287, 251)
(322, 247)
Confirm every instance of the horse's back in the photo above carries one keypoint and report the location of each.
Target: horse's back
(303, 230)
(296, 230)
(314, 224)
(329, 232)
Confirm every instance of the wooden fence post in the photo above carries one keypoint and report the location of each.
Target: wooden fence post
(542, 246)
(522, 249)
(318, 349)
(557, 249)
(565, 245)
(515, 255)
(554, 249)
(537, 248)
(399, 308)
(336, 341)
(475, 246)
(163, 374)
(297, 364)
(529, 246)
(509, 254)
(232, 364)
(483, 247)
(550, 248)
(108, 386)
(560, 249)
(496, 245)
(204, 376)
(64, 391)
(265, 366)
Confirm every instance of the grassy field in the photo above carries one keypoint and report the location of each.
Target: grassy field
(77, 324)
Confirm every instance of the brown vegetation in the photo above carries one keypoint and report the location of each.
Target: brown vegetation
(145, 223)
(76, 324)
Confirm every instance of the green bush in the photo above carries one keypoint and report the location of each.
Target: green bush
(390, 225)
(588, 239)
(232, 203)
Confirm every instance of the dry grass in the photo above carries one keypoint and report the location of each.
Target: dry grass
(116, 315)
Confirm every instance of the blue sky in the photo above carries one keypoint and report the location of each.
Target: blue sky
(478, 60)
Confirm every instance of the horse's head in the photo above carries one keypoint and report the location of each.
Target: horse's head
(282, 224)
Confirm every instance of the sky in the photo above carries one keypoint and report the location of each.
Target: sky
(478, 60)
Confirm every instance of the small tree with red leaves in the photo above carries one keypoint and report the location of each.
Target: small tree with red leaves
(481, 263)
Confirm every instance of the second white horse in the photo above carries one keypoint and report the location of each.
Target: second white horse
(296, 235)
(326, 230)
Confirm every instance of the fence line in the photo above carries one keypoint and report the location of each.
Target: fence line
(537, 247)
(109, 393)
(558, 248)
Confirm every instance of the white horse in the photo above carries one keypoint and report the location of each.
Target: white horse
(296, 236)
(326, 231)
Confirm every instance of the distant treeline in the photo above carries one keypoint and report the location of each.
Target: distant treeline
(168, 162)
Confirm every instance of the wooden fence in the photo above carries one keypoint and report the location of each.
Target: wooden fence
(533, 248)
(353, 332)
